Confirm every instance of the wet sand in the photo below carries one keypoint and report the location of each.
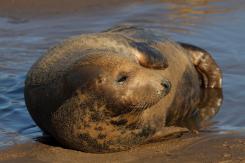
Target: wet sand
(203, 147)
(229, 148)
(46, 8)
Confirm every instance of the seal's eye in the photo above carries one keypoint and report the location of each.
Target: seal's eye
(121, 79)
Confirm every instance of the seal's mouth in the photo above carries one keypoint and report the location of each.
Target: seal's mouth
(166, 87)
(135, 103)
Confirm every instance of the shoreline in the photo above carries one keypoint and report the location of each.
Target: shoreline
(208, 147)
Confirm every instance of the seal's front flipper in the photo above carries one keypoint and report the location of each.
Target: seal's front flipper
(210, 72)
(148, 56)
(167, 133)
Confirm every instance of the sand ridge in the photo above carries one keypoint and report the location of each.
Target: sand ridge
(189, 148)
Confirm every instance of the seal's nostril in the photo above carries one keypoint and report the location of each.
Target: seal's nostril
(166, 85)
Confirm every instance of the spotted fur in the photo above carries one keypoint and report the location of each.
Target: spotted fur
(110, 91)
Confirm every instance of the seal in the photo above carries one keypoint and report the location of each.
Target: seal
(112, 90)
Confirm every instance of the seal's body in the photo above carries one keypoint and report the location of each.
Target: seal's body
(109, 91)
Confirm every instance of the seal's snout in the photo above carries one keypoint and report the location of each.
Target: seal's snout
(166, 86)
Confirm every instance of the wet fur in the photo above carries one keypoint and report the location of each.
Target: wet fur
(71, 93)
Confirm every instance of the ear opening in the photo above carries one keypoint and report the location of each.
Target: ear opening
(208, 69)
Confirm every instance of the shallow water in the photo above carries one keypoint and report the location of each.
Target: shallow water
(215, 25)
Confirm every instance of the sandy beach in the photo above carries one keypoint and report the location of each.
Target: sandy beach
(226, 148)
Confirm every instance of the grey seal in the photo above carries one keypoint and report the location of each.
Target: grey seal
(112, 90)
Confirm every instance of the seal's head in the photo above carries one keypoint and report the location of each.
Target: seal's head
(123, 84)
